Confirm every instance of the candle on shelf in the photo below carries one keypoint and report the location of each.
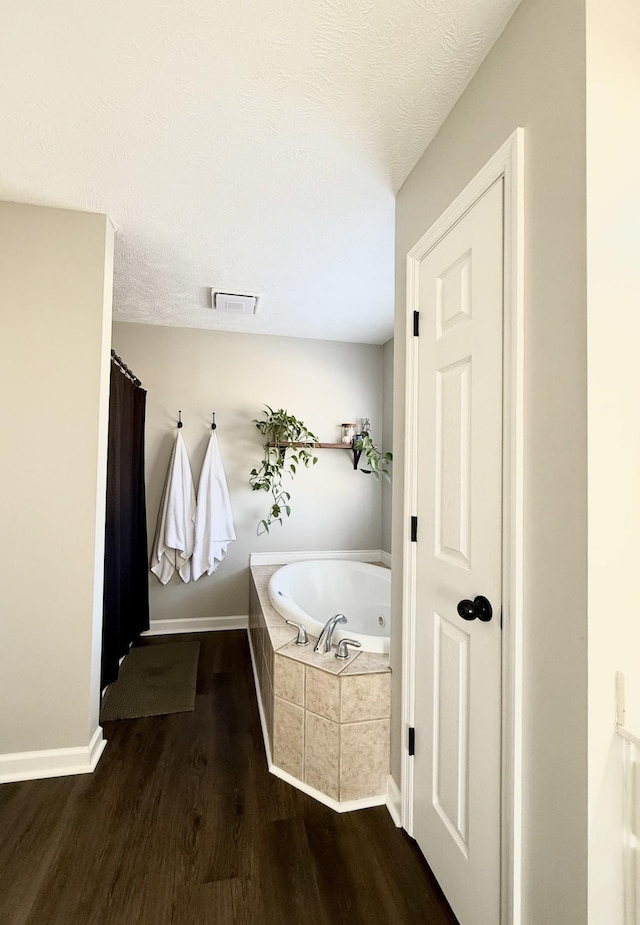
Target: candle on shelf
(348, 433)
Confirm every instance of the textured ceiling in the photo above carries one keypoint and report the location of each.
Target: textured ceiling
(252, 144)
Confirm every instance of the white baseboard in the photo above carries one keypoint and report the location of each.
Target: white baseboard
(385, 558)
(351, 555)
(196, 625)
(394, 801)
(52, 762)
(347, 806)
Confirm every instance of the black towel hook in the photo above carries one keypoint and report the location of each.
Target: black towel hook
(179, 418)
(213, 420)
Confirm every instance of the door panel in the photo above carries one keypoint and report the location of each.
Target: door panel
(453, 295)
(453, 462)
(451, 729)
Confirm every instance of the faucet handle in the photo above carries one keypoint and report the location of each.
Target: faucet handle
(343, 651)
(303, 639)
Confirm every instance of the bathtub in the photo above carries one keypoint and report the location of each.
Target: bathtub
(311, 592)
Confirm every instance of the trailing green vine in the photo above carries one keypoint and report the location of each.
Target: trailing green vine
(379, 463)
(281, 430)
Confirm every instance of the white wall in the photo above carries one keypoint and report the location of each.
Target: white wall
(533, 77)
(322, 382)
(613, 247)
(55, 315)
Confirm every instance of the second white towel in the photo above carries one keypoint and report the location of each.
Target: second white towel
(214, 517)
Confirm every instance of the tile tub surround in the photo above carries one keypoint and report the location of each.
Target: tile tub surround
(326, 722)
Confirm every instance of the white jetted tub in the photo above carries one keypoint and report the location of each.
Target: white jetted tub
(312, 592)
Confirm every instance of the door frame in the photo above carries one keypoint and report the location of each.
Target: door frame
(507, 163)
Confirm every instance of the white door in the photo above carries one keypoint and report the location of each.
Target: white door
(458, 558)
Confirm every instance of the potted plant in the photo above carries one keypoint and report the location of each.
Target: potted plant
(282, 431)
(379, 463)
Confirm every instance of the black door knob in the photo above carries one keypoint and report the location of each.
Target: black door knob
(477, 609)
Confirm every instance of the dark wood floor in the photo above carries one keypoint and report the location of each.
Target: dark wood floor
(181, 824)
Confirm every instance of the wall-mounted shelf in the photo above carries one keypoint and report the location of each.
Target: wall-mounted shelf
(323, 446)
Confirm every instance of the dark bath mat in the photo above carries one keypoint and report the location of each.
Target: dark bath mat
(153, 680)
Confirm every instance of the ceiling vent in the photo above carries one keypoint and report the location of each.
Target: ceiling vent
(234, 303)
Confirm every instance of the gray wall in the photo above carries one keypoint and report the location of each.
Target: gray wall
(533, 77)
(55, 319)
(322, 382)
(387, 438)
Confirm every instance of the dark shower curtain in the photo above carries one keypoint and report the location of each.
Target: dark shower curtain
(126, 587)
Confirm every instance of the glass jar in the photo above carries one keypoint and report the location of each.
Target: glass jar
(348, 433)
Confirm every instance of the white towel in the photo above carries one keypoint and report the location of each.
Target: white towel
(173, 543)
(214, 517)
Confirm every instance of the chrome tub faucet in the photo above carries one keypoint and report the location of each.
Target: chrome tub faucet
(324, 639)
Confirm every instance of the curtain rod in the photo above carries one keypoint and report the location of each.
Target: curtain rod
(125, 369)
